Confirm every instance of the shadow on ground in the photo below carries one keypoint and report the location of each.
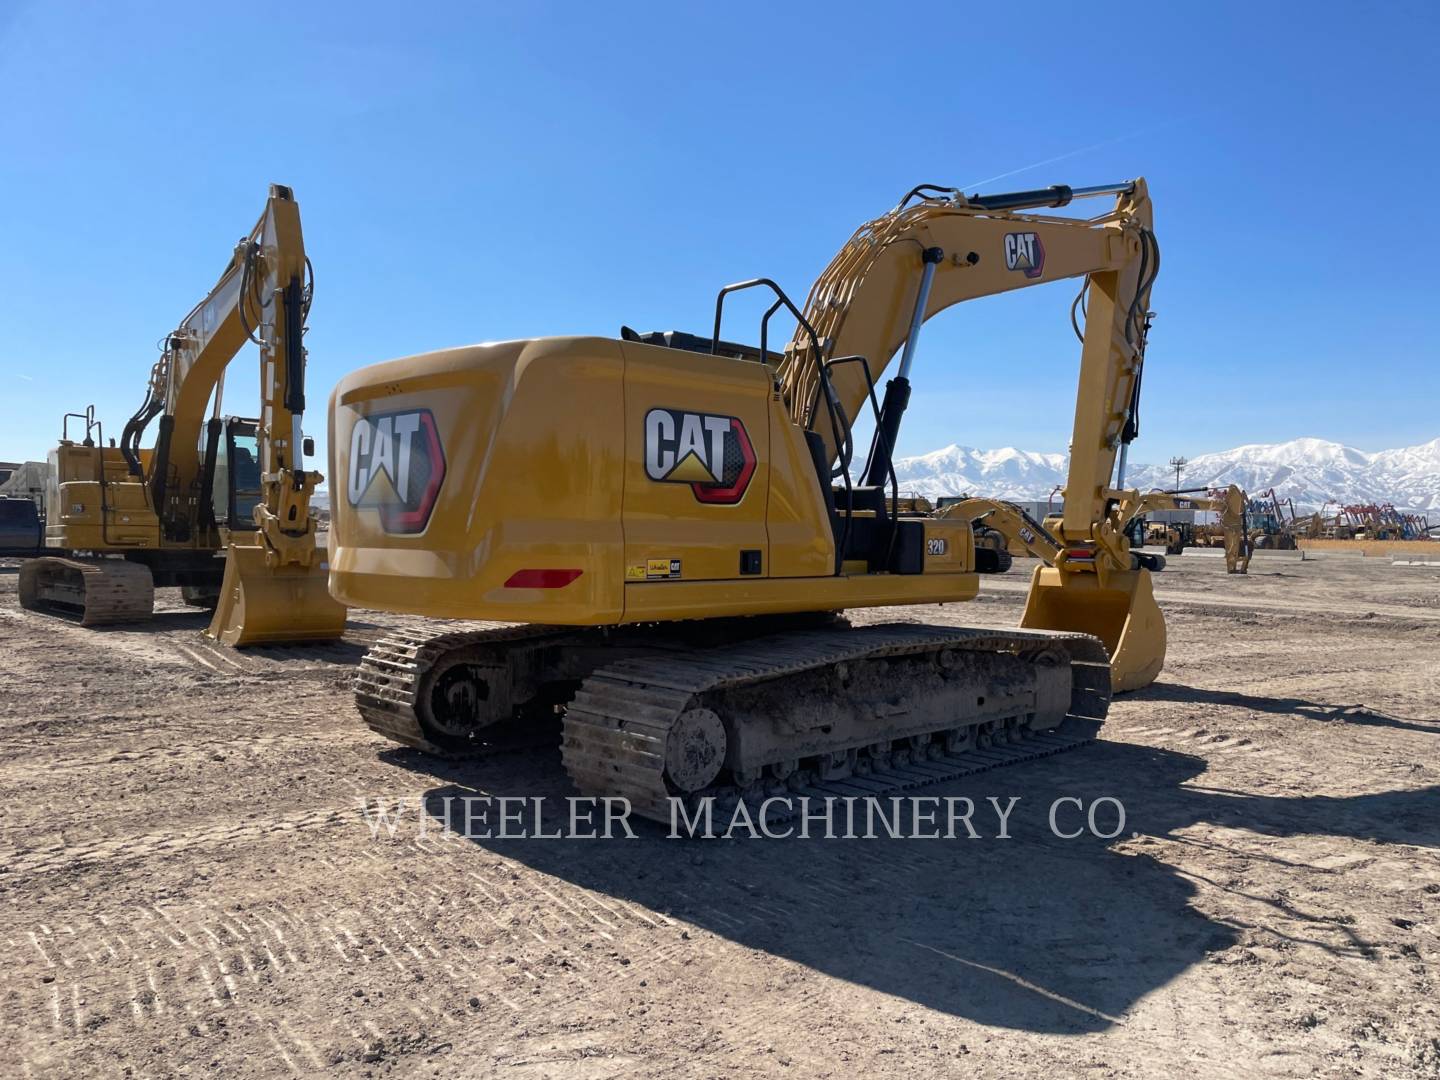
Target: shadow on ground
(335, 652)
(1284, 706)
(1032, 932)
(196, 620)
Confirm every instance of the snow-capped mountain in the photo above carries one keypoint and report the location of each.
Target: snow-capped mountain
(1001, 474)
(1310, 471)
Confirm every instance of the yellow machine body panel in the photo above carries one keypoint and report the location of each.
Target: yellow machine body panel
(591, 481)
(457, 470)
(685, 412)
(84, 513)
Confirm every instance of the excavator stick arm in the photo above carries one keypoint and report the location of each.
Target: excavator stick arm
(1010, 521)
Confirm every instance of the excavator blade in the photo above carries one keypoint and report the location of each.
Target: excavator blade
(261, 604)
(1123, 615)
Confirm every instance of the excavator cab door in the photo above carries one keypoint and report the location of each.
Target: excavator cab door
(236, 487)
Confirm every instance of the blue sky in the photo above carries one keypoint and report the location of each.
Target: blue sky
(477, 172)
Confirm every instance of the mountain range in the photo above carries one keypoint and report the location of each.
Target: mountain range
(1312, 472)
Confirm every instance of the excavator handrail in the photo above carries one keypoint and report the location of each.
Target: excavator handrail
(842, 541)
(780, 298)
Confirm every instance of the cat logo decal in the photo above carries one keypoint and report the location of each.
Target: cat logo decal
(710, 453)
(396, 466)
(1024, 251)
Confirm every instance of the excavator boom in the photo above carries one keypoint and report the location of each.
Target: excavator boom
(943, 249)
(921, 258)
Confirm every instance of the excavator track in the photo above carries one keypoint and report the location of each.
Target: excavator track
(925, 703)
(398, 672)
(470, 693)
(636, 724)
(97, 592)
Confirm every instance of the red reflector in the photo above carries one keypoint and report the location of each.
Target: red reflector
(1080, 553)
(542, 579)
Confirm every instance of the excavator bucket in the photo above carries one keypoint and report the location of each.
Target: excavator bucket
(1123, 614)
(261, 604)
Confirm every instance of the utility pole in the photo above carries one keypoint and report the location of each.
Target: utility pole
(1178, 464)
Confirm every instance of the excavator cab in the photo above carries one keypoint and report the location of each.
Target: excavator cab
(1135, 532)
(235, 489)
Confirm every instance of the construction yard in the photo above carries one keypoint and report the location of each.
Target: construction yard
(190, 887)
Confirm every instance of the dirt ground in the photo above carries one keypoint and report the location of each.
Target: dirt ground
(189, 887)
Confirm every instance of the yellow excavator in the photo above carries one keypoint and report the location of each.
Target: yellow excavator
(1139, 505)
(1019, 531)
(1230, 504)
(672, 523)
(220, 508)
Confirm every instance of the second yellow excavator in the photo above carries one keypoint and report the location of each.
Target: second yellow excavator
(1229, 503)
(673, 522)
(121, 520)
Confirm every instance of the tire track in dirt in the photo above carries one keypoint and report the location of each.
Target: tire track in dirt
(52, 858)
(170, 753)
(207, 963)
(247, 949)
